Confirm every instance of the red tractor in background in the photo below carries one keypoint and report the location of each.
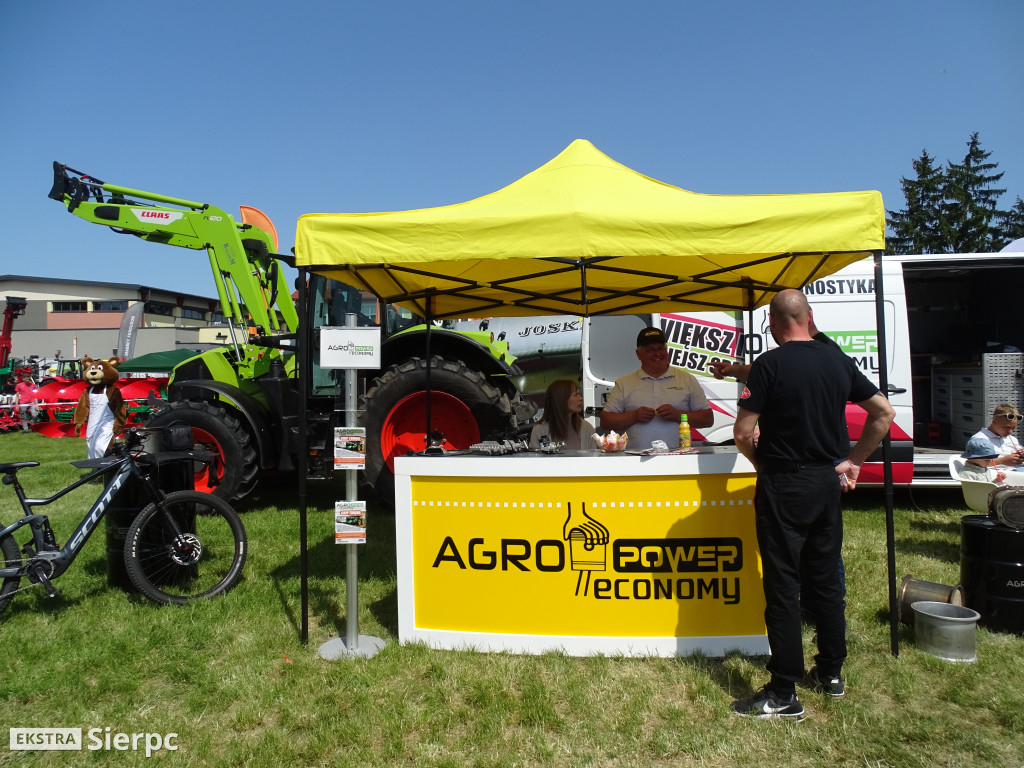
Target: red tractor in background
(57, 393)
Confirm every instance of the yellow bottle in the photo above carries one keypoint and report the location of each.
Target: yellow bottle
(684, 433)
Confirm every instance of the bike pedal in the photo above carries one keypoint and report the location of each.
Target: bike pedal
(51, 591)
(37, 576)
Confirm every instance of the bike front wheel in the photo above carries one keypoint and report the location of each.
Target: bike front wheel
(191, 546)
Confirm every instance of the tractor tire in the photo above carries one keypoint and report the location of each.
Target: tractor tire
(233, 473)
(465, 407)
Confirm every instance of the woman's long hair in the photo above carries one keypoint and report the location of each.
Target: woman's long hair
(556, 409)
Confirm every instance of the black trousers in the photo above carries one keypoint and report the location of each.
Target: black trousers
(800, 528)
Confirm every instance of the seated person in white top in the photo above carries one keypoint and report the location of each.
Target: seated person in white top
(562, 422)
(999, 433)
(978, 459)
(647, 403)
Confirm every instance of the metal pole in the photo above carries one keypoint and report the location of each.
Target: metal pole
(303, 379)
(354, 644)
(426, 343)
(351, 493)
(890, 527)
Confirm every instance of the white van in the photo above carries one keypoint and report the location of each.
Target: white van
(949, 320)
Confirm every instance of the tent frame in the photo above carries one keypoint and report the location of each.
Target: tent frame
(756, 292)
(585, 235)
(591, 301)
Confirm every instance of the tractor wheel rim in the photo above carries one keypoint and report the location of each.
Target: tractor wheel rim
(208, 476)
(404, 429)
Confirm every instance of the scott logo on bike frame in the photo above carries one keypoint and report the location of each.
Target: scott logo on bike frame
(97, 511)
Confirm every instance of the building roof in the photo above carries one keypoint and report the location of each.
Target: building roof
(133, 287)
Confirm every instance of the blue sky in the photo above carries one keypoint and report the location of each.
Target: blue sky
(340, 106)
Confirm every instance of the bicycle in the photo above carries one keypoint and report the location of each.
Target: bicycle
(182, 546)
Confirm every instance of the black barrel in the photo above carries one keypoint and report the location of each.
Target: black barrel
(992, 572)
(174, 474)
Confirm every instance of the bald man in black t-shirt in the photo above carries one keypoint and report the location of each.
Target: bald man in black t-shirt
(796, 394)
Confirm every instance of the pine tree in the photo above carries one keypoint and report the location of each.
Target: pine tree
(954, 210)
(916, 228)
(968, 206)
(1011, 224)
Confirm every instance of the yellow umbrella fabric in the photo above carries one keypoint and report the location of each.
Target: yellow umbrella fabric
(586, 235)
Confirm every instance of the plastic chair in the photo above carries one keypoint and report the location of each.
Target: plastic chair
(956, 465)
(976, 492)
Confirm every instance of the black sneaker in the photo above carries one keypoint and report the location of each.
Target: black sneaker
(832, 685)
(766, 703)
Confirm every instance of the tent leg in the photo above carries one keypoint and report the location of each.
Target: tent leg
(303, 376)
(426, 344)
(890, 533)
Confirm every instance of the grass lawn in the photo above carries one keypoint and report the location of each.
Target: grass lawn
(231, 678)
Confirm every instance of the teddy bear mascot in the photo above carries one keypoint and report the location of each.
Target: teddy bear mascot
(101, 407)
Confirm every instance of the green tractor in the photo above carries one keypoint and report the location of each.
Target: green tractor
(242, 400)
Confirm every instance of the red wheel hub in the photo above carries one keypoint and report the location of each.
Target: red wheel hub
(404, 429)
(207, 476)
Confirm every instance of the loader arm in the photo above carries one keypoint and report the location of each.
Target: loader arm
(250, 286)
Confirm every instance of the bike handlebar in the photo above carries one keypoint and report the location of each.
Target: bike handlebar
(133, 440)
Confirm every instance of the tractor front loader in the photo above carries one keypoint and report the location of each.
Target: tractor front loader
(242, 400)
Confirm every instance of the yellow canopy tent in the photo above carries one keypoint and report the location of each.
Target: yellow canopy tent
(586, 235)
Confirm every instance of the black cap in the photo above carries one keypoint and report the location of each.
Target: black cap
(650, 335)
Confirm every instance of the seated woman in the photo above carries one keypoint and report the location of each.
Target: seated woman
(979, 462)
(562, 421)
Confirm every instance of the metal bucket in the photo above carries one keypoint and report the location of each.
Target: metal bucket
(912, 591)
(946, 631)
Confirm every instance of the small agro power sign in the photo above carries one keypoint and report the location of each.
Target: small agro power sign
(350, 522)
(349, 448)
(349, 347)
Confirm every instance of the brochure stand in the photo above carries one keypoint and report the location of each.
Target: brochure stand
(353, 644)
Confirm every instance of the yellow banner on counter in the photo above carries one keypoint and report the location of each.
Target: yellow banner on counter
(645, 557)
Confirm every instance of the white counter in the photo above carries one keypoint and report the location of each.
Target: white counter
(580, 552)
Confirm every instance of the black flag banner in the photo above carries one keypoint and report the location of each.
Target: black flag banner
(130, 324)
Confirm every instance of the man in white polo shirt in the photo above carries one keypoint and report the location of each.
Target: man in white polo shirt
(999, 433)
(647, 403)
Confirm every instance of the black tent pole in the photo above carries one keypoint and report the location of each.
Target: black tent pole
(883, 385)
(303, 438)
(426, 344)
(748, 351)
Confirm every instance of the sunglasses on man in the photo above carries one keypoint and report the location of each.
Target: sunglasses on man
(1013, 416)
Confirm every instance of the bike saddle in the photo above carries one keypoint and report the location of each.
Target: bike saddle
(16, 465)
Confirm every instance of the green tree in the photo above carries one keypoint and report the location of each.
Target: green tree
(916, 228)
(1011, 224)
(969, 199)
(954, 210)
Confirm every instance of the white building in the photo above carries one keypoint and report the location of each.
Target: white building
(72, 318)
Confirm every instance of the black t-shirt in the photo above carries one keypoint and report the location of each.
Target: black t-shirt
(825, 339)
(800, 391)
